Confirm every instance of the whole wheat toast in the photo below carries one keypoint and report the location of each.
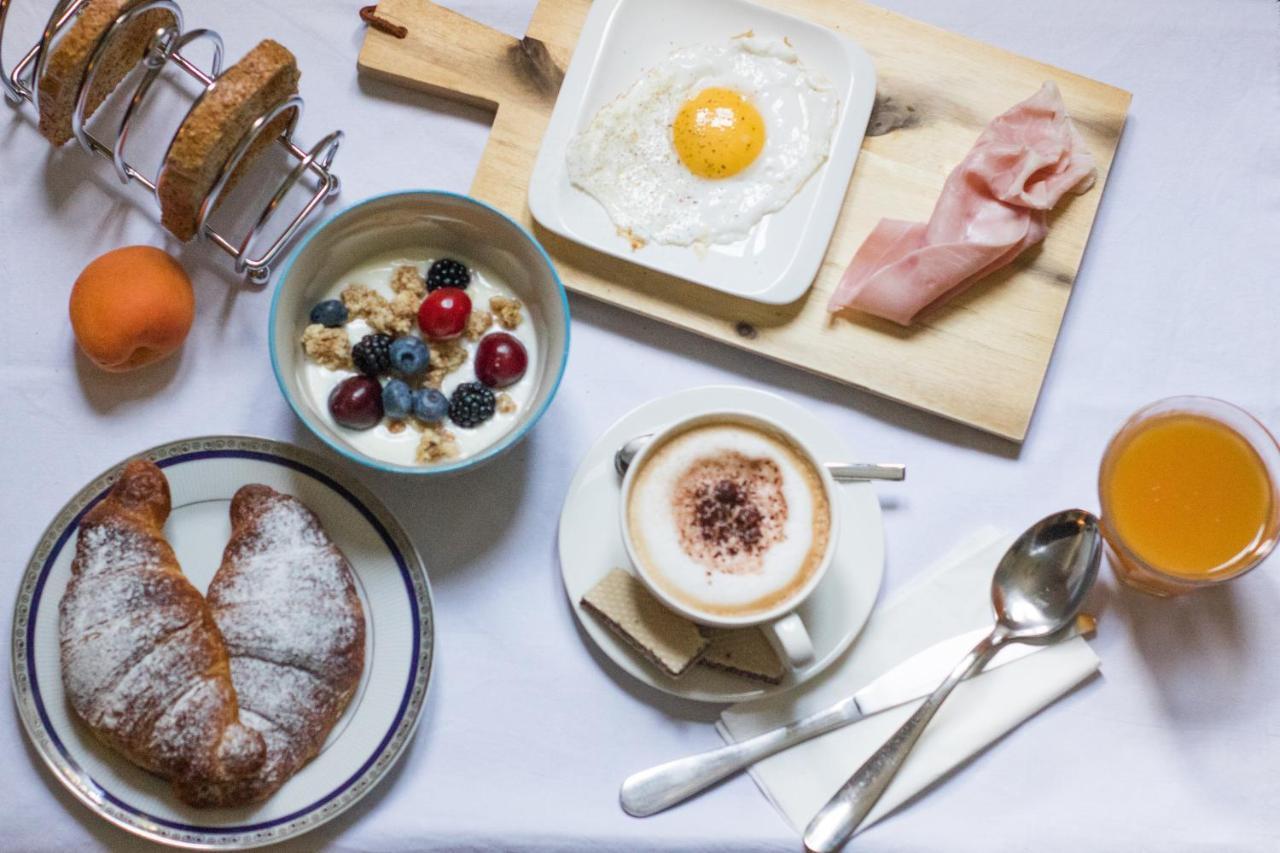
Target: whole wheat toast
(69, 60)
(217, 122)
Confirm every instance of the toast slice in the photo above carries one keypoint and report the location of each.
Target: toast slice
(216, 124)
(69, 59)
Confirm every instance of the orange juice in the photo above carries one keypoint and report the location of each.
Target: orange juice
(1187, 495)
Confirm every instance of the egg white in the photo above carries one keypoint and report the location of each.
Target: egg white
(626, 160)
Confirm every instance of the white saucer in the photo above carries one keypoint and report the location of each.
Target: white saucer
(591, 545)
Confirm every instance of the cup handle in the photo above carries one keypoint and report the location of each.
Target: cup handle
(791, 641)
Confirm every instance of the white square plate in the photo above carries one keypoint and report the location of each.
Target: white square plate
(778, 261)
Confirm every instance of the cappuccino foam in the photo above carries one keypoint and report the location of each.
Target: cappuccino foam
(729, 519)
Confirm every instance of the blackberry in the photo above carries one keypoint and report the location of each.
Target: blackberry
(471, 404)
(372, 356)
(447, 272)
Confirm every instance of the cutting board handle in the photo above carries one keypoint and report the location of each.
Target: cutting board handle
(453, 56)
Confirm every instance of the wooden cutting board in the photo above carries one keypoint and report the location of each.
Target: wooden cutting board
(980, 359)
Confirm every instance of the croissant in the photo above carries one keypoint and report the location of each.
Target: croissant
(143, 662)
(285, 600)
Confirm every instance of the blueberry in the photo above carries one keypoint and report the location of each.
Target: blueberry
(430, 405)
(331, 313)
(409, 356)
(397, 399)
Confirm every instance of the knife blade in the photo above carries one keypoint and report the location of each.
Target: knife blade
(919, 674)
(651, 791)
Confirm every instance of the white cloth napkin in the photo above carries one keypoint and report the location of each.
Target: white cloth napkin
(948, 599)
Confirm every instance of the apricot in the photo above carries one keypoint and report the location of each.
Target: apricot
(131, 307)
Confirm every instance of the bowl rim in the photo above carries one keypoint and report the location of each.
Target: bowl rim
(510, 439)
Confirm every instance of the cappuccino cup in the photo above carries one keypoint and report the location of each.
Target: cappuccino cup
(731, 521)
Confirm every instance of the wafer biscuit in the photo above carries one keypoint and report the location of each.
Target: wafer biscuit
(745, 652)
(667, 639)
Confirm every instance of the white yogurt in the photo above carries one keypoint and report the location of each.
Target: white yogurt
(401, 448)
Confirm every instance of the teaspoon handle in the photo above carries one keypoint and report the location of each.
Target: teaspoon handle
(845, 811)
(846, 471)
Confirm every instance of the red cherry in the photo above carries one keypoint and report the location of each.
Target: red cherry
(444, 313)
(500, 360)
(356, 402)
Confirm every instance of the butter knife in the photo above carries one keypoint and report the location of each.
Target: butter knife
(651, 791)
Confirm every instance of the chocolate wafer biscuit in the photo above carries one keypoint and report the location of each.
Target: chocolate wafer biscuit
(666, 638)
(745, 652)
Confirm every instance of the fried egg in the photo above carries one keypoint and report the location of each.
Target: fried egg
(707, 143)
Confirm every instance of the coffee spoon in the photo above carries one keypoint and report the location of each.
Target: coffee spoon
(1037, 590)
(841, 472)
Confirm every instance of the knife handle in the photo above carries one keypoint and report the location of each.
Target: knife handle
(836, 822)
(650, 791)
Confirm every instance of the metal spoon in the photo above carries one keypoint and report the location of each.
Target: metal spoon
(1037, 591)
(841, 472)
(657, 788)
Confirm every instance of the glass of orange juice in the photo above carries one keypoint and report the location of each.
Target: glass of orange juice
(1189, 495)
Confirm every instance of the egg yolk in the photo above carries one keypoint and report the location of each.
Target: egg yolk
(718, 133)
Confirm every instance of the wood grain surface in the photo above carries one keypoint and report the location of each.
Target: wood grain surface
(979, 359)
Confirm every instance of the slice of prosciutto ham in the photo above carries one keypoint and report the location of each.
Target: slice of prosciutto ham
(993, 206)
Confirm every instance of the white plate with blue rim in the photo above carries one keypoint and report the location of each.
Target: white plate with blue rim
(590, 543)
(203, 475)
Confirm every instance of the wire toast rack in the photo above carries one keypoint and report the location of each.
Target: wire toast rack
(22, 84)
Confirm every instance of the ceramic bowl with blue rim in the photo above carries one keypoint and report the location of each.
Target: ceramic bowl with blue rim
(346, 283)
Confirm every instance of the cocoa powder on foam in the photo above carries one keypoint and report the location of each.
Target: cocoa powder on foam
(729, 510)
(708, 527)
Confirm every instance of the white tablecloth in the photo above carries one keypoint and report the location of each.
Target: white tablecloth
(527, 734)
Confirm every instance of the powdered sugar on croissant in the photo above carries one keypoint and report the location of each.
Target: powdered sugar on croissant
(286, 603)
(143, 663)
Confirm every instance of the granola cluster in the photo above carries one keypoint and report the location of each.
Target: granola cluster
(327, 347)
(477, 324)
(407, 279)
(392, 317)
(436, 445)
(508, 311)
(446, 357)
